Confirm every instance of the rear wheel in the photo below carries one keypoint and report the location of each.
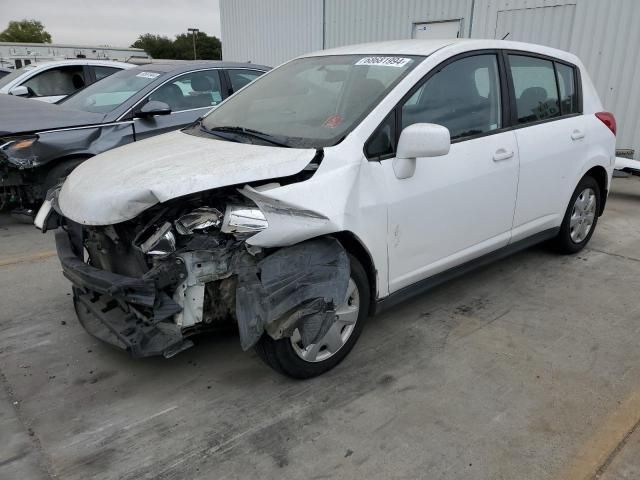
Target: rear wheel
(581, 217)
(290, 357)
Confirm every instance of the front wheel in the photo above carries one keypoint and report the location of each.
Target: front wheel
(289, 357)
(59, 172)
(581, 217)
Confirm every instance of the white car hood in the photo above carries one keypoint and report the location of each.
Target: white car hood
(117, 185)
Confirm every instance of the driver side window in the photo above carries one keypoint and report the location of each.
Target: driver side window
(464, 96)
(192, 90)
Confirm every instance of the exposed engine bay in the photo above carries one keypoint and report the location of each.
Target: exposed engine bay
(184, 267)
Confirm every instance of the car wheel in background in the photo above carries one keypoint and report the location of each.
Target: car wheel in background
(59, 172)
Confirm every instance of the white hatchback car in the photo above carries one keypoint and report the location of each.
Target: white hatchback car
(330, 188)
(52, 81)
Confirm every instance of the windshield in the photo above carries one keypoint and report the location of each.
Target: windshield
(311, 102)
(110, 92)
(7, 79)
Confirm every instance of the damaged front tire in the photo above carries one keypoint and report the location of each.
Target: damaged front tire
(289, 357)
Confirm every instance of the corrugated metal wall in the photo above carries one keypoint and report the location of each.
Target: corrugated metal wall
(605, 34)
(270, 31)
(607, 39)
(357, 21)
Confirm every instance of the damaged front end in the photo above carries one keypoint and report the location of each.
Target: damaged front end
(149, 284)
(18, 180)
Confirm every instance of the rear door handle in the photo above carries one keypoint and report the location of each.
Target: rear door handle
(502, 154)
(577, 135)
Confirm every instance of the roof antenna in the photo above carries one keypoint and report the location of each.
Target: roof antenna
(508, 33)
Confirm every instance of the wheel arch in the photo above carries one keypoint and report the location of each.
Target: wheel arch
(54, 162)
(599, 174)
(353, 245)
(47, 175)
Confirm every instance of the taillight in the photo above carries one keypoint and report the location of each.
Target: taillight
(609, 120)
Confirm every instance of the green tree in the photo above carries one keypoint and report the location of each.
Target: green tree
(207, 47)
(155, 45)
(31, 31)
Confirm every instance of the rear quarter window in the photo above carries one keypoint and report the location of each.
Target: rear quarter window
(569, 101)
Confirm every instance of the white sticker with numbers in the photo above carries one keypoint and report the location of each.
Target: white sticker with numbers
(148, 75)
(384, 61)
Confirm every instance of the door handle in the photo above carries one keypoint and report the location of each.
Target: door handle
(577, 135)
(502, 154)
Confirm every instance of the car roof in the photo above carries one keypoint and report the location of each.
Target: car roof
(427, 47)
(179, 66)
(79, 61)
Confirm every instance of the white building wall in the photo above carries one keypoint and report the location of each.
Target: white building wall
(605, 34)
(357, 21)
(270, 32)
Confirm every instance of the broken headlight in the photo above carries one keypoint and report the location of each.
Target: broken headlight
(243, 219)
(20, 151)
(160, 241)
(199, 219)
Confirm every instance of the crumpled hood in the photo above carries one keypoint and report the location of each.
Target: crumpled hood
(24, 115)
(117, 185)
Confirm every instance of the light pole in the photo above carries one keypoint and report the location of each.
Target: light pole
(194, 31)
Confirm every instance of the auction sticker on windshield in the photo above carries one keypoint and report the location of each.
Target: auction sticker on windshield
(384, 61)
(148, 75)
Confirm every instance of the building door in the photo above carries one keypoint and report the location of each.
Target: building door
(551, 26)
(433, 30)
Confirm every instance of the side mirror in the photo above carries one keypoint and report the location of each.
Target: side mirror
(420, 140)
(153, 108)
(20, 91)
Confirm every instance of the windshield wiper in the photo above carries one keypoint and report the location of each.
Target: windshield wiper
(231, 138)
(280, 142)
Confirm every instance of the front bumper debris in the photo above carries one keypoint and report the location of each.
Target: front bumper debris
(150, 305)
(130, 313)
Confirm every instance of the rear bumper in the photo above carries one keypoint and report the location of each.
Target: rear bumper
(129, 313)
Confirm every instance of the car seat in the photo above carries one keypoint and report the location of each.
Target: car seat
(532, 104)
(202, 92)
(169, 94)
(362, 92)
(77, 81)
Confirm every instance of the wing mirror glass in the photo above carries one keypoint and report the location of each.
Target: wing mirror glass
(420, 140)
(20, 91)
(153, 108)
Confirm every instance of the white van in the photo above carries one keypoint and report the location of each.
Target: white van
(330, 188)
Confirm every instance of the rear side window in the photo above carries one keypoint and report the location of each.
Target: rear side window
(241, 78)
(102, 72)
(568, 92)
(536, 91)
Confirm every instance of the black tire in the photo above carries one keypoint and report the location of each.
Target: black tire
(280, 355)
(563, 242)
(59, 172)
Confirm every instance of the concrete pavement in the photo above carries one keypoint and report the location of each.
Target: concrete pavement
(526, 369)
